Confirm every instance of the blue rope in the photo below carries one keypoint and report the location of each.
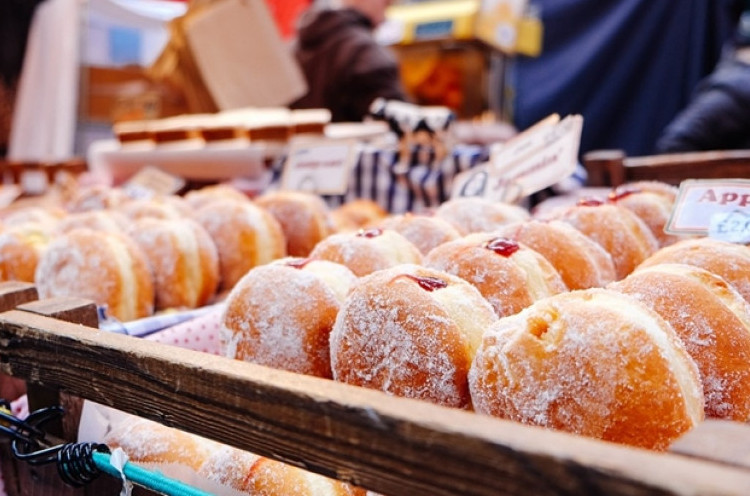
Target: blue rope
(144, 478)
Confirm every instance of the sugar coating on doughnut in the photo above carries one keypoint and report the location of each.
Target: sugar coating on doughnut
(146, 441)
(410, 331)
(581, 262)
(21, 246)
(425, 232)
(230, 467)
(357, 214)
(304, 218)
(366, 251)
(657, 187)
(245, 236)
(510, 282)
(474, 214)
(619, 231)
(158, 207)
(729, 260)
(108, 268)
(593, 362)
(652, 208)
(99, 220)
(713, 321)
(199, 198)
(281, 316)
(183, 259)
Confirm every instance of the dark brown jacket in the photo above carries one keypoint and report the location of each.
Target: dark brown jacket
(345, 68)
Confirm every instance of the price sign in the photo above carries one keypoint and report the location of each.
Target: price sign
(319, 166)
(733, 226)
(704, 203)
(150, 181)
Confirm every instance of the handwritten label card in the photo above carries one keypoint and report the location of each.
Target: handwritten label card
(541, 158)
(319, 166)
(150, 181)
(712, 207)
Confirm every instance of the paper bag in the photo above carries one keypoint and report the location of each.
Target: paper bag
(241, 55)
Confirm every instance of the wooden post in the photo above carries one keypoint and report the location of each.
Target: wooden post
(604, 167)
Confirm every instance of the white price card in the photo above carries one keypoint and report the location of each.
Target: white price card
(703, 202)
(733, 227)
(320, 166)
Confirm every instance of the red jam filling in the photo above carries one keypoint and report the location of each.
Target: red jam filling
(502, 246)
(299, 263)
(428, 283)
(621, 193)
(369, 233)
(590, 202)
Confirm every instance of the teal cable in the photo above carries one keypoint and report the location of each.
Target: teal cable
(145, 478)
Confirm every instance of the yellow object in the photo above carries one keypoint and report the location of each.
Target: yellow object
(530, 36)
(435, 20)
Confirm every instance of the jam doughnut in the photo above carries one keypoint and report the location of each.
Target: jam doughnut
(281, 314)
(728, 260)
(368, 250)
(713, 321)
(425, 232)
(245, 235)
(304, 218)
(509, 275)
(619, 231)
(474, 214)
(357, 214)
(593, 362)
(656, 187)
(410, 331)
(105, 267)
(183, 260)
(21, 246)
(581, 262)
(652, 208)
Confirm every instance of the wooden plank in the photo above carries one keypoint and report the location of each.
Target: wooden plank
(395, 446)
(720, 440)
(14, 293)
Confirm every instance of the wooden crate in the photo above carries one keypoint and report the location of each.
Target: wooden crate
(394, 446)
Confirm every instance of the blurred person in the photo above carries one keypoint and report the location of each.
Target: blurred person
(718, 115)
(345, 67)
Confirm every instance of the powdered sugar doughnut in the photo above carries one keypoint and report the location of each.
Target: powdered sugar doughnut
(245, 236)
(652, 208)
(713, 321)
(508, 274)
(475, 214)
(281, 314)
(146, 441)
(581, 262)
(593, 362)
(368, 250)
(619, 231)
(98, 220)
(105, 267)
(97, 197)
(44, 216)
(199, 198)
(159, 207)
(21, 246)
(183, 260)
(410, 331)
(270, 477)
(728, 260)
(230, 467)
(656, 187)
(423, 231)
(357, 214)
(304, 218)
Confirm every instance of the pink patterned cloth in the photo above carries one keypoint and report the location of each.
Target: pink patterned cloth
(199, 334)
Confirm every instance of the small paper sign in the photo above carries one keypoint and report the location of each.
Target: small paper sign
(545, 155)
(733, 227)
(319, 166)
(150, 181)
(704, 203)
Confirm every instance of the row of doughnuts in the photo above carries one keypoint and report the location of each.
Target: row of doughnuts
(413, 329)
(153, 444)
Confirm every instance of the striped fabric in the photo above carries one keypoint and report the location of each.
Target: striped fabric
(417, 186)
